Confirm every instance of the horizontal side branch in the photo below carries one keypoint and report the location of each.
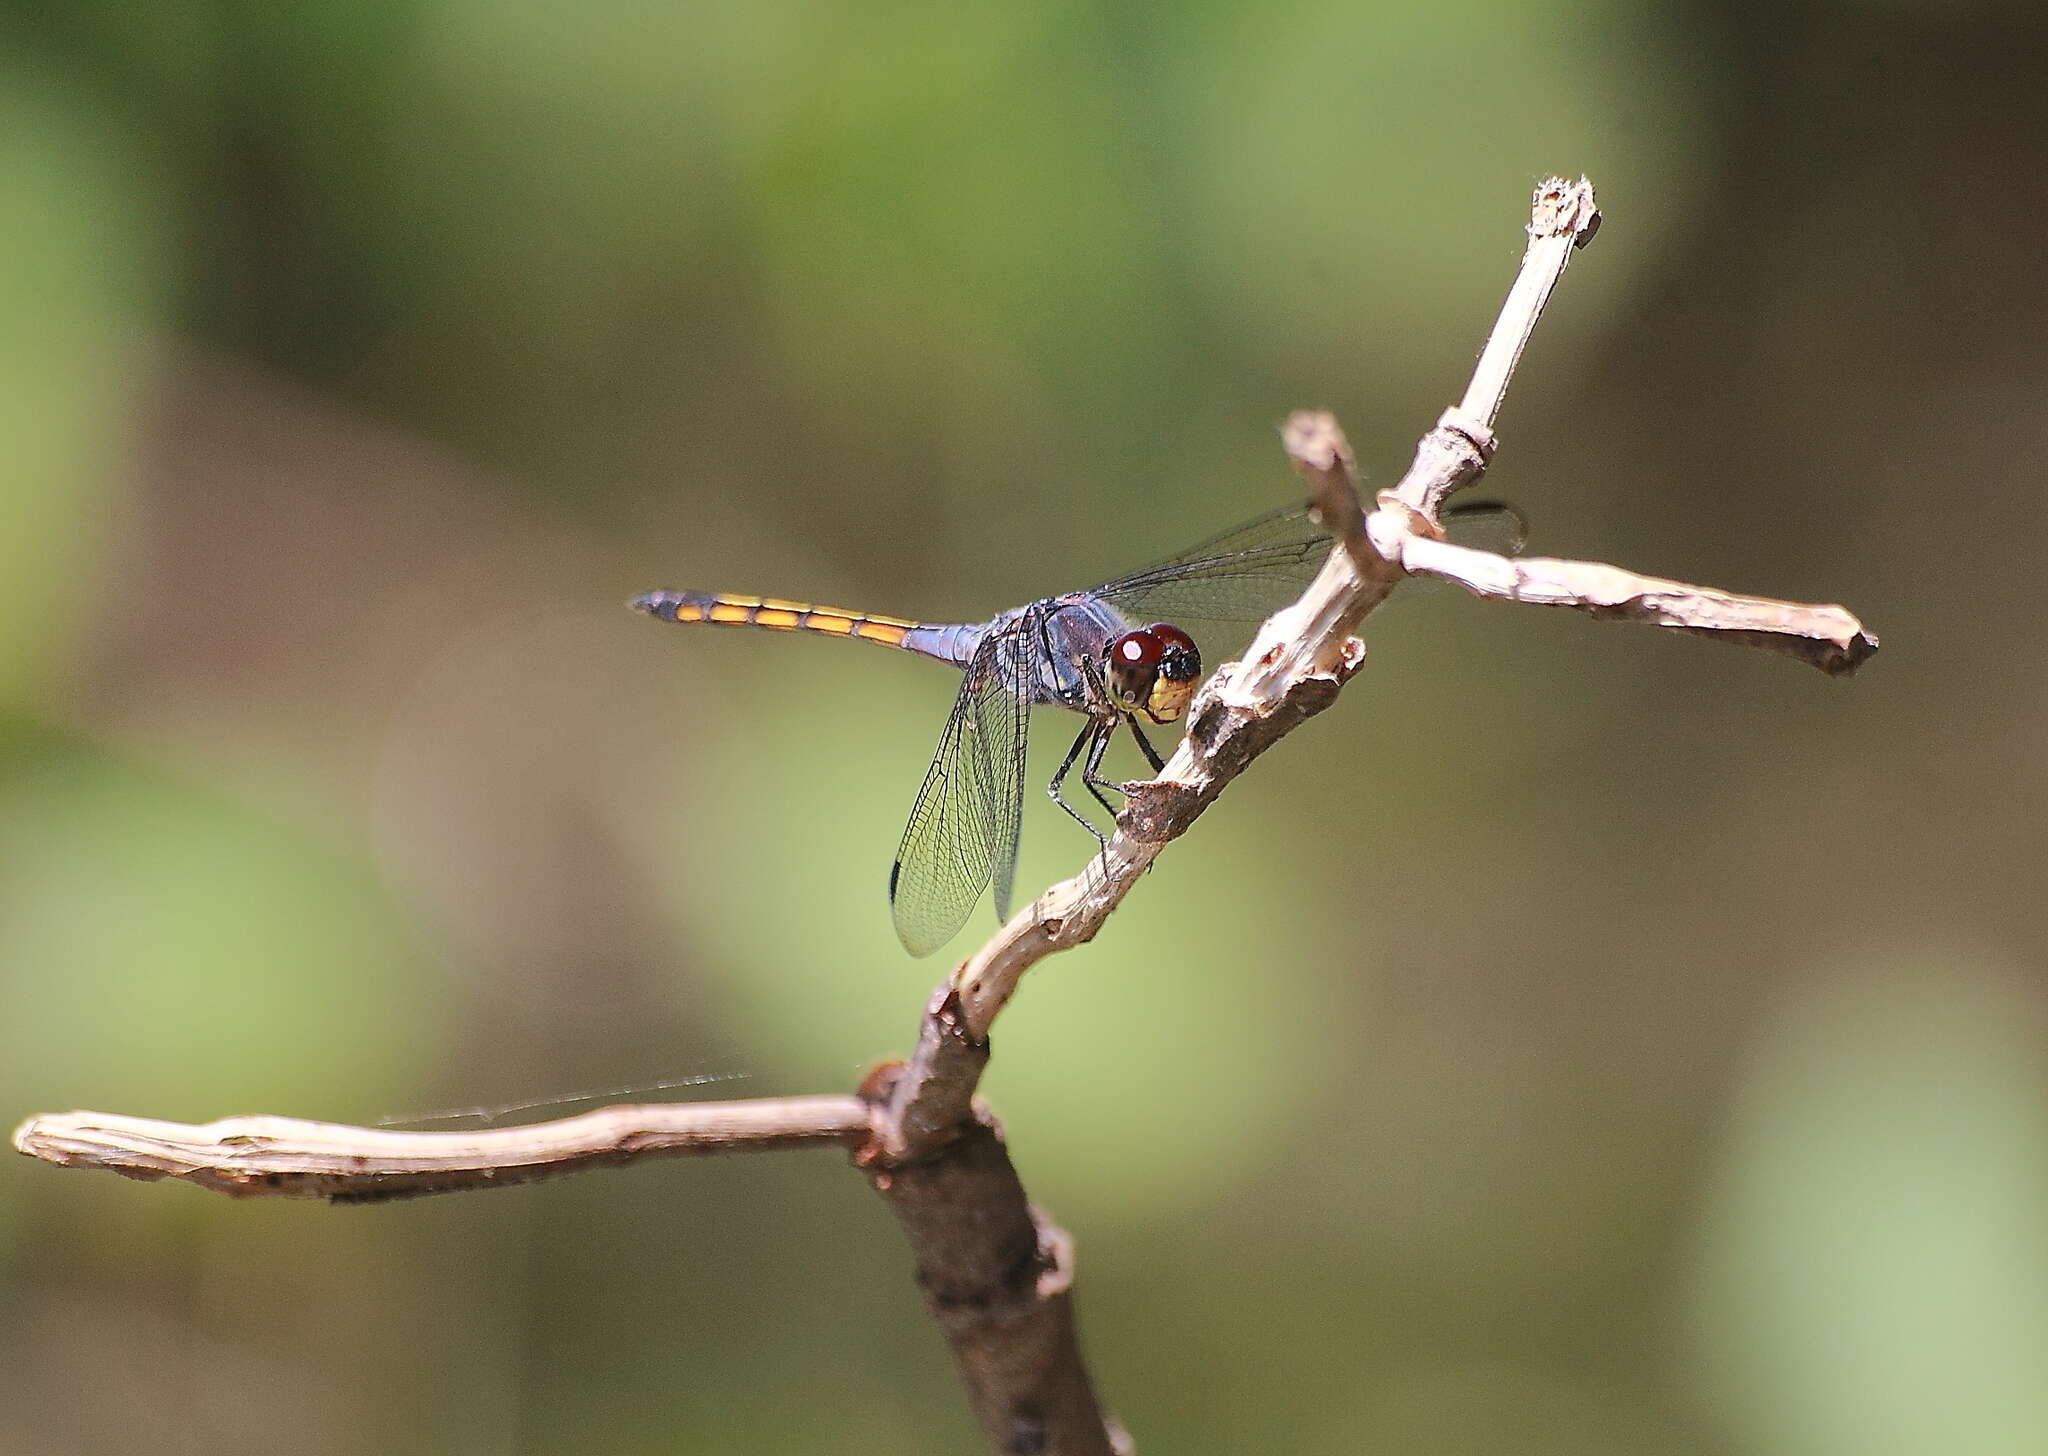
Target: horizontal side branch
(291, 1158)
(1829, 637)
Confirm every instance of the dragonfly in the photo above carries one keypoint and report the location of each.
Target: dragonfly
(1118, 653)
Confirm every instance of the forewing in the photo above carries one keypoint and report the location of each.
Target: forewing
(963, 830)
(1249, 572)
(1240, 576)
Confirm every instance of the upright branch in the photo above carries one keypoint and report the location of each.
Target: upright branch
(1305, 652)
(997, 1275)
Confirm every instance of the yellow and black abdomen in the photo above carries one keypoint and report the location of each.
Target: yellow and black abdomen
(724, 609)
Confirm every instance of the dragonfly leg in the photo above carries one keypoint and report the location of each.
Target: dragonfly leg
(1095, 741)
(1091, 771)
(1145, 744)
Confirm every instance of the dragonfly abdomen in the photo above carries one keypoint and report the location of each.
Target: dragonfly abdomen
(725, 609)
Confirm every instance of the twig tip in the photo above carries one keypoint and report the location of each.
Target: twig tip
(1313, 438)
(1560, 208)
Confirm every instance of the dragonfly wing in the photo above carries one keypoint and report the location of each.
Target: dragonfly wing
(1239, 576)
(1487, 525)
(1002, 713)
(1247, 573)
(963, 831)
(1287, 526)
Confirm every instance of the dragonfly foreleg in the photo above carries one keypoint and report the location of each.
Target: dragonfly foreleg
(1145, 744)
(1093, 738)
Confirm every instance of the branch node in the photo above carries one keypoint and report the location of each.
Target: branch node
(1472, 430)
(1056, 1256)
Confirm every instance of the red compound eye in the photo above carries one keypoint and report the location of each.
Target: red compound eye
(1179, 659)
(1138, 650)
(1131, 666)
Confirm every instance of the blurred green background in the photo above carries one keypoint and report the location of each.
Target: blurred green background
(1582, 1040)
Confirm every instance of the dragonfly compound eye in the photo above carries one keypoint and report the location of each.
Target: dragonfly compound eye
(1132, 666)
(1180, 668)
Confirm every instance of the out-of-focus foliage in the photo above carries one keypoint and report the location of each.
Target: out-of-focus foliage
(1578, 1041)
(1880, 1214)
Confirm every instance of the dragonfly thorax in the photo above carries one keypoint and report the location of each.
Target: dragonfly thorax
(1153, 671)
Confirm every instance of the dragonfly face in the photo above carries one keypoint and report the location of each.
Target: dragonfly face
(1153, 671)
(1083, 651)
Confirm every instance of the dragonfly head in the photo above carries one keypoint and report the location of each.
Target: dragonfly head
(1153, 671)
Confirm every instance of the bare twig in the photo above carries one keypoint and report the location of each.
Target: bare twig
(290, 1158)
(1829, 637)
(997, 1275)
(1562, 217)
(1322, 458)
